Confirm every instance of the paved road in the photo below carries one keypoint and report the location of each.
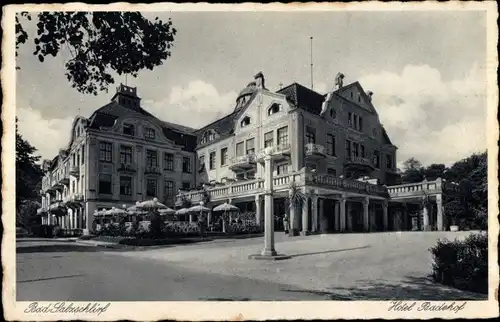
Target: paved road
(52, 271)
(382, 266)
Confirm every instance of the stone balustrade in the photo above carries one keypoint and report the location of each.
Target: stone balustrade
(314, 149)
(281, 183)
(418, 189)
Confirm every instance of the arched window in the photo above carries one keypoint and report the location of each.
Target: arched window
(245, 121)
(275, 108)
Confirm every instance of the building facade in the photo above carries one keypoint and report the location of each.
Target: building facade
(333, 147)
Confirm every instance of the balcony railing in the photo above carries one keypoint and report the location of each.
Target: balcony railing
(152, 170)
(314, 150)
(243, 162)
(282, 182)
(356, 160)
(421, 188)
(77, 197)
(74, 171)
(127, 167)
(64, 179)
(277, 152)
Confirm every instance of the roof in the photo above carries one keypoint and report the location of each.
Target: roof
(303, 97)
(106, 116)
(224, 126)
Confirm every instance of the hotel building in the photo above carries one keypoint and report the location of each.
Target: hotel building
(333, 147)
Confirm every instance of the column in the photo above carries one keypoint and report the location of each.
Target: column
(348, 217)
(268, 209)
(342, 218)
(190, 218)
(385, 215)
(315, 215)
(366, 218)
(439, 206)
(322, 217)
(336, 215)
(258, 210)
(425, 217)
(81, 213)
(305, 217)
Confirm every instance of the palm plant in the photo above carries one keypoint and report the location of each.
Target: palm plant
(296, 199)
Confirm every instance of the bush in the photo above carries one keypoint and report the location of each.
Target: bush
(463, 264)
(244, 229)
(180, 229)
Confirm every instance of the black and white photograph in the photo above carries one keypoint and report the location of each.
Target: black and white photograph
(250, 161)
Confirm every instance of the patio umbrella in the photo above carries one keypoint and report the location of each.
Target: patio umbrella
(115, 212)
(183, 211)
(225, 207)
(199, 208)
(153, 204)
(167, 211)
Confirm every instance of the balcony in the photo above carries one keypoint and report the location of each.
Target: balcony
(64, 179)
(74, 171)
(77, 197)
(421, 189)
(278, 153)
(359, 162)
(127, 167)
(314, 151)
(152, 170)
(41, 211)
(244, 162)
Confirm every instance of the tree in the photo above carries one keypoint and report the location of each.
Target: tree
(411, 163)
(28, 173)
(434, 171)
(295, 199)
(99, 42)
(412, 171)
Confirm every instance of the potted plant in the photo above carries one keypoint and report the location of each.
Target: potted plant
(295, 200)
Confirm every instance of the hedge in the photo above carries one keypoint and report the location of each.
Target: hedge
(462, 263)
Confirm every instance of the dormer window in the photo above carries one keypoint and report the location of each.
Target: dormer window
(150, 133)
(275, 108)
(245, 121)
(128, 129)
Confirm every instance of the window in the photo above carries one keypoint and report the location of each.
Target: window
(128, 129)
(125, 154)
(330, 144)
(151, 187)
(73, 159)
(332, 172)
(352, 95)
(360, 120)
(169, 189)
(240, 176)
(311, 166)
(240, 149)
(250, 146)
(168, 160)
(151, 158)
(212, 160)
(348, 149)
(223, 156)
(105, 151)
(355, 121)
(268, 139)
(77, 159)
(349, 118)
(275, 108)
(355, 149)
(186, 165)
(150, 133)
(126, 186)
(362, 150)
(186, 185)
(283, 136)
(245, 121)
(376, 159)
(310, 135)
(72, 187)
(333, 114)
(282, 168)
(83, 154)
(201, 163)
(389, 161)
(105, 183)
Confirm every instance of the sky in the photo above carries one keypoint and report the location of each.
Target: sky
(426, 69)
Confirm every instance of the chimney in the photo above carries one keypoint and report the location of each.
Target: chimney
(339, 81)
(259, 79)
(370, 94)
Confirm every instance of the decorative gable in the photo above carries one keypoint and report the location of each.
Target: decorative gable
(357, 95)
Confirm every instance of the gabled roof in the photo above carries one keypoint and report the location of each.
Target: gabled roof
(303, 97)
(107, 115)
(366, 99)
(224, 126)
(386, 137)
